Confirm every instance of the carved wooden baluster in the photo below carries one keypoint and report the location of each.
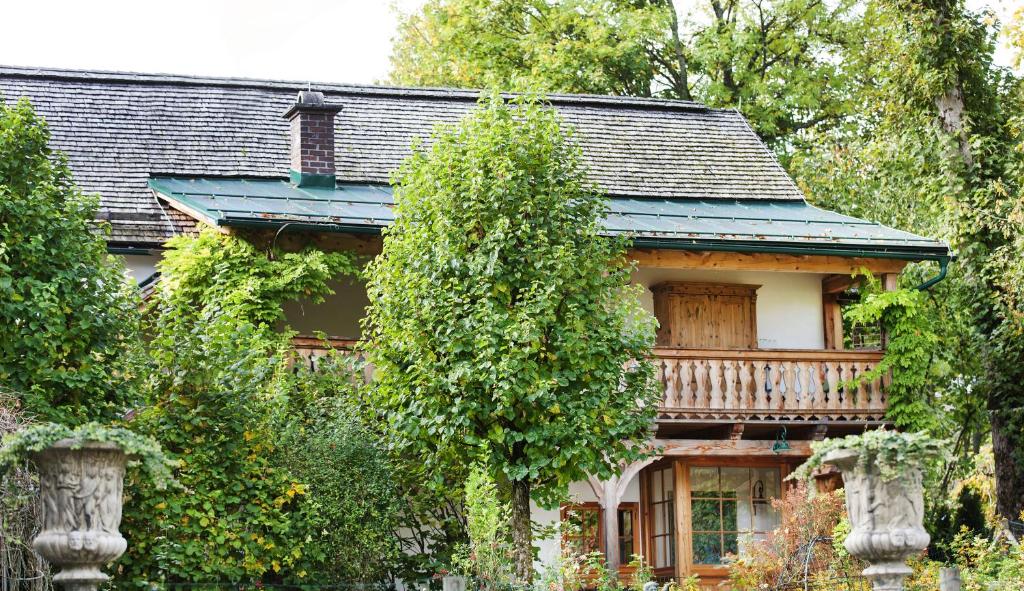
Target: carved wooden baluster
(832, 377)
(778, 399)
(670, 383)
(846, 374)
(701, 376)
(686, 383)
(806, 402)
(789, 375)
(731, 396)
(746, 380)
(878, 401)
(863, 389)
(760, 386)
(715, 373)
(816, 372)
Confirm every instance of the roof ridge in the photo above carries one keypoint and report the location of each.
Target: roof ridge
(465, 94)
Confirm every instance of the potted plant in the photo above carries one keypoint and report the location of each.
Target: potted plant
(81, 476)
(882, 473)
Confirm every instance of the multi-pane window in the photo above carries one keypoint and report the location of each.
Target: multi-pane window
(585, 534)
(728, 507)
(582, 531)
(661, 501)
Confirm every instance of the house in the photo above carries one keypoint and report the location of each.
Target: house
(745, 277)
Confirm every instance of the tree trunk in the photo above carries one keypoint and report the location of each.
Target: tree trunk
(522, 536)
(1007, 436)
(682, 78)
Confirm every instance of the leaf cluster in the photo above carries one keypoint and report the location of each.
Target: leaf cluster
(891, 453)
(141, 450)
(68, 317)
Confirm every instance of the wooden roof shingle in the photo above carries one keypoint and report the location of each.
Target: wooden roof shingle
(119, 129)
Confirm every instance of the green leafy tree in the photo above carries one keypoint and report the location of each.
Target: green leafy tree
(68, 316)
(778, 61)
(941, 152)
(353, 506)
(501, 323)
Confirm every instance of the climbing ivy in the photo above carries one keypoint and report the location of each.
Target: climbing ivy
(911, 341)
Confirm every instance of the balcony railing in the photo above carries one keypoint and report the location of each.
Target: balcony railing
(739, 385)
(769, 384)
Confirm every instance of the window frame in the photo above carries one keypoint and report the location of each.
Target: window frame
(630, 507)
(684, 541)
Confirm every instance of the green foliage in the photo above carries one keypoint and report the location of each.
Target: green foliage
(774, 61)
(237, 516)
(908, 356)
(500, 322)
(68, 317)
(568, 46)
(502, 326)
(225, 401)
(19, 445)
(352, 501)
(987, 564)
(217, 274)
(488, 557)
(891, 452)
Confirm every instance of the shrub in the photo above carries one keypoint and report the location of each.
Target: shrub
(489, 556)
(805, 543)
(352, 505)
(68, 316)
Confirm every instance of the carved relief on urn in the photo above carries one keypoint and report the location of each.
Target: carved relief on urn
(886, 518)
(80, 492)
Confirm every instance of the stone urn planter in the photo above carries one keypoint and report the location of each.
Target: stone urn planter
(886, 518)
(80, 498)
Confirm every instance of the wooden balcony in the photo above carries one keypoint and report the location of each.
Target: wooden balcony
(746, 385)
(769, 384)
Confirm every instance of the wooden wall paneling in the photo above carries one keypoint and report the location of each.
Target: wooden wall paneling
(700, 315)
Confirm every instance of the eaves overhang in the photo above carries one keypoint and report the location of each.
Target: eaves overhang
(744, 226)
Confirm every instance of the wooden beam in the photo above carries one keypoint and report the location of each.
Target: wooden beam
(736, 261)
(833, 322)
(839, 283)
(192, 213)
(742, 447)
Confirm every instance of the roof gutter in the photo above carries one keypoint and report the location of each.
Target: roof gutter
(815, 250)
(943, 267)
(310, 226)
(692, 245)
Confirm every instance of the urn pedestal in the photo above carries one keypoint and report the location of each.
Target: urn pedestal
(886, 518)
(80, 497)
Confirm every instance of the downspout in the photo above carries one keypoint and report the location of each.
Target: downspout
(943, 266)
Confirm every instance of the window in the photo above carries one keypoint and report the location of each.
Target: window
(728, 507)
(582, 531)
(585, 531)
(661, 518)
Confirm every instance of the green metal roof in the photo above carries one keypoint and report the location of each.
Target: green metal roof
(692, 224)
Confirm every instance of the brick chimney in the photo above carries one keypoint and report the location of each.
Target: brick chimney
(312, 140)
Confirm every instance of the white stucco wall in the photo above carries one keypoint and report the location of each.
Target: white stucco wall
(337, 316)
(140, 266)
(789, 309)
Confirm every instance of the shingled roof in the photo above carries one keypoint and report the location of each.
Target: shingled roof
(120, 129)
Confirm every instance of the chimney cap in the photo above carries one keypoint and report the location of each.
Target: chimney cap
(310, 100)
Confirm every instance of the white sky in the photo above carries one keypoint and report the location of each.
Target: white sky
(305, 40)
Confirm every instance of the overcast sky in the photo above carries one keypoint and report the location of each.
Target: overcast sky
(306, 40)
